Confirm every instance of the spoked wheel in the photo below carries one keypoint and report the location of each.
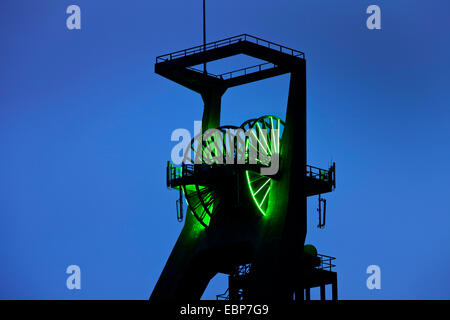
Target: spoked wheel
(263, 139)
(205, 150)
(203, 201)
(247, 125)
(209, 147)
(233, 144)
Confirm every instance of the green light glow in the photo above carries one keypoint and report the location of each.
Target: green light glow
(204, 201)
(259, 185)
(266, 145)
(200, 200)
(261, 204)
(265, 183)
(278, 140)
(276, 145)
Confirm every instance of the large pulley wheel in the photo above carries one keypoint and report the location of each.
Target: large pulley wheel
(203, 201)
(207, 149)
(262, 141)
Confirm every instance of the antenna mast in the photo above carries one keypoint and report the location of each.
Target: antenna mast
(204, 35)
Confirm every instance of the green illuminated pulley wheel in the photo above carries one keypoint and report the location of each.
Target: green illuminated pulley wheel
(233, 144)
(263, 139)
(208, 147)
(204, 200)
(247, 125)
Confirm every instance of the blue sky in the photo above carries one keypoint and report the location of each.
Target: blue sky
(85, 130)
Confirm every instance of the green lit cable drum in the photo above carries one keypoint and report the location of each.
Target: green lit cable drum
(204, 201)
(263, 138)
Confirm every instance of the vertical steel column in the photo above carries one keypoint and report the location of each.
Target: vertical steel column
(322, 292)
(212, 99)
(334, 292)
(278, 263)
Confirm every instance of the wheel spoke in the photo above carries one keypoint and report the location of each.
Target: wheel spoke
(259, 185)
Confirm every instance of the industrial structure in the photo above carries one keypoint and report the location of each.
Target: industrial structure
(239, 221)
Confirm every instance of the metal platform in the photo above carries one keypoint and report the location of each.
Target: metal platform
(319, 275)
(178, 66)
(318, 181)
(318, 272)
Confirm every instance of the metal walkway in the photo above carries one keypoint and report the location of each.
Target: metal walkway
(178, 66)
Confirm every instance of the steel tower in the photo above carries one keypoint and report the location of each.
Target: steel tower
(240, 222)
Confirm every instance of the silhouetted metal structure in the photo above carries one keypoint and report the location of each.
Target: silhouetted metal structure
(239, 222)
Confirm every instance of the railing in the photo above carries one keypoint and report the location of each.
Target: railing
(238, 72)
(174, 173)
(226, 42)
(326, 262)
(207, 73)
(186, 170)
(317, 173)
(247, 70)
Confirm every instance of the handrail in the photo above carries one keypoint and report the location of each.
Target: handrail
(186, 170)
(326, 262)
(258, 66)
(229, 41)
(318, 173)
(201, 71)
(242, 71)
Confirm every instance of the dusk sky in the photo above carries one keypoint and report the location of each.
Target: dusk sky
(85, 128)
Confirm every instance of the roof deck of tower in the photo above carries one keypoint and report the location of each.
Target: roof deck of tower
(179, 67)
